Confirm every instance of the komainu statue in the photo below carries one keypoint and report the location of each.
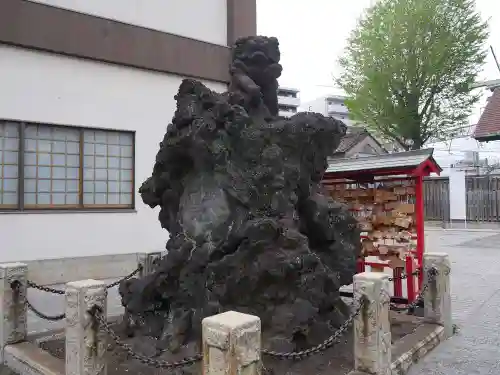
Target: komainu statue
(251, 229)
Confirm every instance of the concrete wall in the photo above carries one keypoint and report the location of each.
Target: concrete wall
(49, 88)
(172, 16)
(335, 109)
(337, 105)
(317, 105)
(286, 100)
(63, 270)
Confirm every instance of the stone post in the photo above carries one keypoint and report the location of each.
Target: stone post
(85, 343)
(231, 344)
(437, 295)
(146, 260)
(12, 304)
(372, 330)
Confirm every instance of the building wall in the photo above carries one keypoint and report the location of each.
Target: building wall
(317, 105)
(42, 27)
(176, 17)
(50, 88)
(329, 106)
(336, 107)
(288, 101)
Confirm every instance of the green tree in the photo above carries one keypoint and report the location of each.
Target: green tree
(408, 67)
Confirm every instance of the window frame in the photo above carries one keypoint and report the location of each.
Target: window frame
(80, 206)
(287, 108)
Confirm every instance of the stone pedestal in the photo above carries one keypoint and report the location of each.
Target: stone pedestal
(372, 331)
(85, 342)
(146, 260)
(12, 304)
(231, 344)
(437, 296)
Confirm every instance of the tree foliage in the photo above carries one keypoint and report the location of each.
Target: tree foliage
(408, 67)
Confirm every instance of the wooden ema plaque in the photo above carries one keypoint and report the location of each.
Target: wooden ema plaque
(386, 215)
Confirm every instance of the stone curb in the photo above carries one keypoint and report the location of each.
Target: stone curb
(402, 364)
(434, 229)
(420, 342)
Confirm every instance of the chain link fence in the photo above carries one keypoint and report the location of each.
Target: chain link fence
(15, 285)
(96, 313)
(100, 320)
(410, 308)
(328, 343)
(405, 276)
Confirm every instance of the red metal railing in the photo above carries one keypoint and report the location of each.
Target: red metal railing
(412, 289)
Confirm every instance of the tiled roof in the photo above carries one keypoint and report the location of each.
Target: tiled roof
(352, 138)
(389, 161)
(488, 126)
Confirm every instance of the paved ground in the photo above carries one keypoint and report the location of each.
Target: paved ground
(475, 283)
(475, 257)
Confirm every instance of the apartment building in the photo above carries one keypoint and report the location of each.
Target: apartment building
(288, 101)
(88, 91)
(334, 106)
(330, 105)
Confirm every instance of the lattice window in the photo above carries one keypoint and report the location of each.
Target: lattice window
(46, 166)
(51, 166)
(9, 165)
(108, 168)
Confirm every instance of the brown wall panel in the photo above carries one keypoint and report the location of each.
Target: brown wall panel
(241, 19)
(42, 27)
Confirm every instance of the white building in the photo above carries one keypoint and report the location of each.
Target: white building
(334, 106)
(288, 101)
(472, 164)
(87, 93)
(330, 105)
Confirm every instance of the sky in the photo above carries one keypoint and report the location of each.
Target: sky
(313, 34)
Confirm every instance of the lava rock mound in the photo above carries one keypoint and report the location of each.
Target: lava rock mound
(251, 229)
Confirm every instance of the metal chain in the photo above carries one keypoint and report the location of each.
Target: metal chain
(129, 276)
(97, 314)
(405, 276)
(318, 348)
(44, 316)
(433, 272)
(412, 305)
(15, 285)
(33, 285)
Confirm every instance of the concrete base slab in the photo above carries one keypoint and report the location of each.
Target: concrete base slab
(28, 359)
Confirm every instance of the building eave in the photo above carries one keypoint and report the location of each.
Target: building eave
(488, 138)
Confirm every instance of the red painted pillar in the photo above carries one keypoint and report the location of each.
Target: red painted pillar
(410, 280)
(398, 283)
(419, 213)
(360, 265)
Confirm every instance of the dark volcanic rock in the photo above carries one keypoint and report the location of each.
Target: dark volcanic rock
(250, 227)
